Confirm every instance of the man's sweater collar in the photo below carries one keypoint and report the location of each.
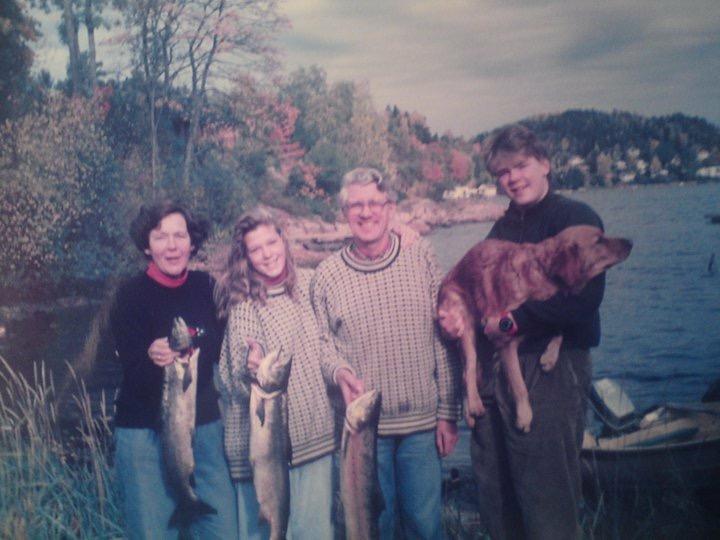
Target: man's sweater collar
(350, 257)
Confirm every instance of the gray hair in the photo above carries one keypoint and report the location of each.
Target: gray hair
(362, 176)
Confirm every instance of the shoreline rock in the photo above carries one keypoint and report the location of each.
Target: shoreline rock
(312, 239)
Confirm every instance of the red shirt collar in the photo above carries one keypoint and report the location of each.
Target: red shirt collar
(171, 282)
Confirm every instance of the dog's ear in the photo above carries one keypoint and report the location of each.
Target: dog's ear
(567, 267)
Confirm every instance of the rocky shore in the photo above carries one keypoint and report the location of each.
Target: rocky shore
(313, 239)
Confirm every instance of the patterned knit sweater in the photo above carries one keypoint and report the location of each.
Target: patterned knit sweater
(378, 317)
(287, 323)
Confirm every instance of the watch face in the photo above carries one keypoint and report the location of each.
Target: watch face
(506, 324)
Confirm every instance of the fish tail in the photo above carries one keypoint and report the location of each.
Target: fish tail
(185, 514)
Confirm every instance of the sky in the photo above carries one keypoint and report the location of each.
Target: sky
(471, 66)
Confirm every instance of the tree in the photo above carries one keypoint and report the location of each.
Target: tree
(154, 41)
(58, 187)
(17, 31)
(71, 35)
(196, 42)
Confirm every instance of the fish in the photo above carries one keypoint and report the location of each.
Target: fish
(270, 442)
(178, 427)
(360, 492)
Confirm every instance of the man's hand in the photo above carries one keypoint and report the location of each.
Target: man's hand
(350, 386)
(160, 352)
(492, 329)
(446, 437)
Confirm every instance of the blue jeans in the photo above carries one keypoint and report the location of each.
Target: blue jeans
(147, 503)
(311, 502)
(410, 481)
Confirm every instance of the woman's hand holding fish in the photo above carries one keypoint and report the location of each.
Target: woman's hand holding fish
(160, 352)
(254, 355)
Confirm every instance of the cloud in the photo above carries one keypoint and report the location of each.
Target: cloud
(471, 65)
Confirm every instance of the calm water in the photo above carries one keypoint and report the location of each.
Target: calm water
(661, 312)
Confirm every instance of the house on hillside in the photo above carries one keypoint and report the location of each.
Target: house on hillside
(713, 171)
(464, 192)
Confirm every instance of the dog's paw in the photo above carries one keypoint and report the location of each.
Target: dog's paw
(475, 406)
(548, 359)
(523, 416)
(551, 354)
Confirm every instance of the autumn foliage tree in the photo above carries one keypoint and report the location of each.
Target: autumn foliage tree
(57, 194)
(197, 43)
(17, 32)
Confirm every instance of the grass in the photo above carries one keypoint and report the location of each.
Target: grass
(57, 482)
(54, 483)
(633, 514)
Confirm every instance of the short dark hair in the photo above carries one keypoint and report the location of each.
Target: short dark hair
(149, 217)
(515, 139)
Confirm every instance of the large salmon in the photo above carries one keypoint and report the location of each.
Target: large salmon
(178, 426)
(359, 486)
(269, 441)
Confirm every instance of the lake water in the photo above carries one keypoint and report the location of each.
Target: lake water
(661, 311)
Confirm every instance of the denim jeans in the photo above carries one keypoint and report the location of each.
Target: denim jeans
(410, 481)
(250, 526)
(147, 502)
(311, 502)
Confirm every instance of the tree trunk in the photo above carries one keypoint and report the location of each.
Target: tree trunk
(92, 59)
(74, 48)
(192, 136)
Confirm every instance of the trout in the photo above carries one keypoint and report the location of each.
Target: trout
(269, 441)
(178, 426)
(360, 492)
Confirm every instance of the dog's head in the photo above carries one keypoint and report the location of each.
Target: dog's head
(583, 252)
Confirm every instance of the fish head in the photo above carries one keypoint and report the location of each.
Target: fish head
(363, 410)
(180, 337)
(274, 371)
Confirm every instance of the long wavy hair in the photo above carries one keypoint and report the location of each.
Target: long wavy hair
(239, 281)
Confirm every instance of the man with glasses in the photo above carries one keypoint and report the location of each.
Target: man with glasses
(374, 301)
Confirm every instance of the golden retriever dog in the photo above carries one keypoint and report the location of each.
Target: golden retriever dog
(498, 276)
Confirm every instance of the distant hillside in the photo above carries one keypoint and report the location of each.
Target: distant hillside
(590, 147)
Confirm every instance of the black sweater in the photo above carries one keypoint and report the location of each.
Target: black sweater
(576, 317)
(143, 312)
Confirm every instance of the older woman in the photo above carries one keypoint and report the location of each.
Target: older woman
(141, 321)
(267, 304)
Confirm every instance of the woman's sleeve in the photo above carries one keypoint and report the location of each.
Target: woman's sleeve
(132, 334)
(243, 324)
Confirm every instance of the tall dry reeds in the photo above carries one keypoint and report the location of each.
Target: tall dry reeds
(54, 482)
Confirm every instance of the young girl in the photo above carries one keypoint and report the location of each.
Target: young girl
(265, 299)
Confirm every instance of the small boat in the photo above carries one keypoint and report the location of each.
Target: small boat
(668, 445)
